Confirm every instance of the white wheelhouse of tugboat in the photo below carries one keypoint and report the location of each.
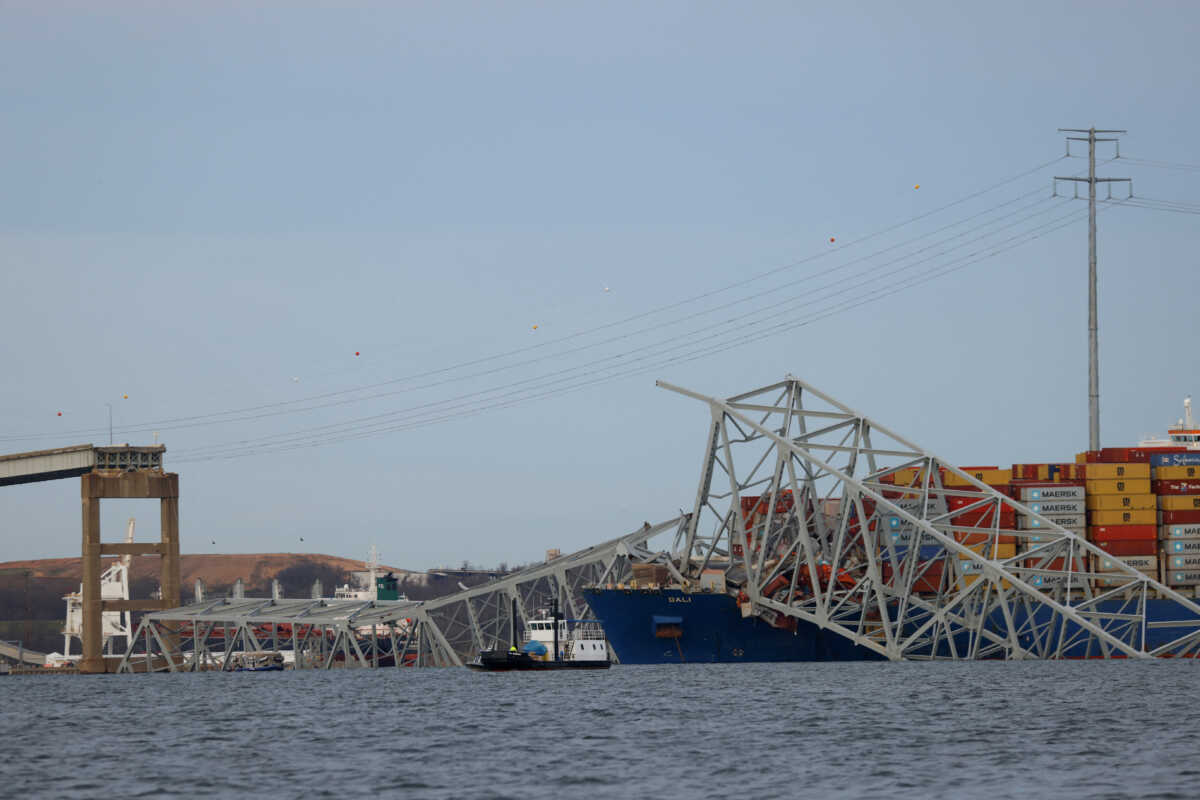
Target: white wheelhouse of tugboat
(578, 640)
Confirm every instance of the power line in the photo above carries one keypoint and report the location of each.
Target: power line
(740, 320)
(1147, 162)
(216, 417)
(420, 416)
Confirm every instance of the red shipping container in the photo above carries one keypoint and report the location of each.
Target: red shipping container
(1175, 487)
(929, 580)
(1114, 455)
(972, 539)
(1000, 488)
(1056, 564)
(1129, 547)
(985, 518)
(1179, 517)
(1110, 533)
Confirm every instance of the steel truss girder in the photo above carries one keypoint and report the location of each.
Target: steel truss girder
(442, 632)
(816, 551)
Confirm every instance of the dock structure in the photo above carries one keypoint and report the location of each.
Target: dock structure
(120, 471)
(326, 634)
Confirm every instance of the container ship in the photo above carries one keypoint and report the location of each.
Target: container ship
(1139, 504)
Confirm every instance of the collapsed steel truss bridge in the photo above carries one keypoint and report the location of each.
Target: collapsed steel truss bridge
(817, 516)
(323, 633)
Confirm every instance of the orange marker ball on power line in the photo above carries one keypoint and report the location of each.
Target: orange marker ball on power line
(831, 239)
(60, 413)
(124, 397)
(355, 352)
(918, 186)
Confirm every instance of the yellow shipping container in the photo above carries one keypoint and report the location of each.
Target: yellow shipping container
(1111, 502)
(908, 476)
(967, 580)
(1140, 517)
(1101, 472)
(1122, 486)
(1179, 502)
(1176, 473)
(985, 549)
(992, 477)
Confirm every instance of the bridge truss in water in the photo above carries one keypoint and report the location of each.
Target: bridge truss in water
(220, 634)
(823, 516)
(813, 514)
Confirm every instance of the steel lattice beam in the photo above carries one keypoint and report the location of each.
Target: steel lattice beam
(837, 543)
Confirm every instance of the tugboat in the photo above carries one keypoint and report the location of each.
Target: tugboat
(549, 643)
(258, 661)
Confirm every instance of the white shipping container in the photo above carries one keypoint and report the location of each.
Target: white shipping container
(1045, 507)
(1035, 538)
(1028, 523)
(1181, 547)
(1189, 562)
(1183, 577)
(1055, 581)
(907, 536)
(913, 505)
(1052, 493)
(1147, 564)
(1179, 531)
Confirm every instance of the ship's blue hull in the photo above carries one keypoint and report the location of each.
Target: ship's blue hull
(665, 626)
(711, 629)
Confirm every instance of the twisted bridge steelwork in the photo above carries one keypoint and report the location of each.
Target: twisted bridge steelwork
(324, 633)
(816, 516)
(824, 517)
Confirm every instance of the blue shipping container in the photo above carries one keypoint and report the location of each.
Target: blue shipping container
(1175, 459)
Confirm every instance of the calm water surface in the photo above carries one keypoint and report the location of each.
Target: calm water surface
(986, 730)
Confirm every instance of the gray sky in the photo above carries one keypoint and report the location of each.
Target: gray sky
(204, 204)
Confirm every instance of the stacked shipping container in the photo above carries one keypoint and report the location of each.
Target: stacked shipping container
(1177, 483)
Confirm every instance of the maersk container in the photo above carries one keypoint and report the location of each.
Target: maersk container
(1029, 493)
(1179, 532)
(1183, 561)
(1045, 507)
(1055, 581)
(1181, 547)
(1028, 523)
(1106, 563)
(1188, 577)
(1050, 535)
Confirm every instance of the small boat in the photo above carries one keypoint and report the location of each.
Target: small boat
(258, 661)
(550, 643)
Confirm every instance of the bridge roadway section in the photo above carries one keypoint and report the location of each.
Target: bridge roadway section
(327, 633)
